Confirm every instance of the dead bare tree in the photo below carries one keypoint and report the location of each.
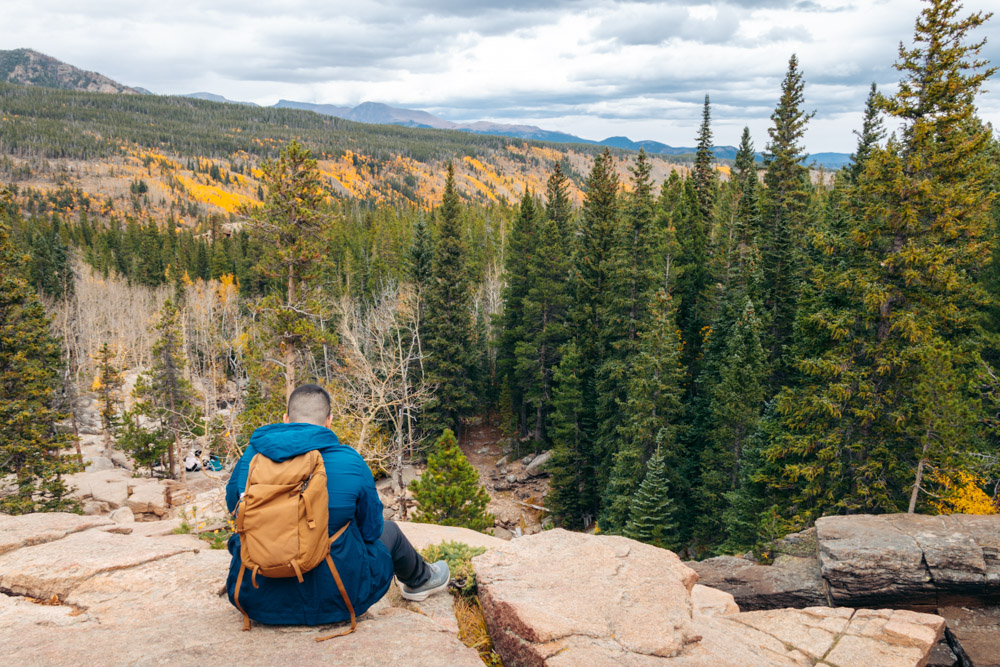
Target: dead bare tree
(379, 375)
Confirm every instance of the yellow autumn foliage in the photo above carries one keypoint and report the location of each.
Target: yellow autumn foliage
(214, 195)
(962, 493)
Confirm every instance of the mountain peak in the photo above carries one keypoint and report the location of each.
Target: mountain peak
(29, 67)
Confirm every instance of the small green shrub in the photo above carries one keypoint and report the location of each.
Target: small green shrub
(459, 557)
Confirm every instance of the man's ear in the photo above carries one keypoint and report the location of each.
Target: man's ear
(285, 418)
(329, 421)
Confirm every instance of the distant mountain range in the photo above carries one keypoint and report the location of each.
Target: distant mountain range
(29, 67)
(32, 68)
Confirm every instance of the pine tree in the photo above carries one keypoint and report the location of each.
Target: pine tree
(558, 206)
(735, 404)
(572, 496)
(544, 329)
(595, 259)
(704, 174)
(448, 325)
(287, 227)
(632, 281)
(449, 493)
(652, 511)
(31, 446)
(887, 389)
(521, 247)
(107, 384)
(163, 393)
(871, 134)
(786, 179)
(651, 413)
(694, 274)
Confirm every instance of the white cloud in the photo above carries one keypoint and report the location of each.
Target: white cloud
(594, 68)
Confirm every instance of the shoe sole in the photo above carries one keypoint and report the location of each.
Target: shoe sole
(422, 595)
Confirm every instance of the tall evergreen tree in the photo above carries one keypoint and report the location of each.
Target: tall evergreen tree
(107, 384)
(572, 496)
(704, 174)
(545, 307)
(887, 381)
(558, 206)
(520, 251)
(31, 446)
(287, 227)
(595, 259)
(786, 179)
(735, 403)
(163, 393)
(871, 134)
(651, 413)
(448, 324)
(694, 274)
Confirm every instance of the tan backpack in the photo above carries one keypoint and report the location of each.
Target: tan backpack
(283, 523)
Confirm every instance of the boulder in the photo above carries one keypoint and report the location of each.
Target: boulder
(502, 533)
(122, 515)
(789, 582)
(712, 602)
(910, 560)
(111, 490)
(122, 461)
(537, 465)
(421, 535)
(596, 598)
(98, 464)
(57, 567)
(148, 501)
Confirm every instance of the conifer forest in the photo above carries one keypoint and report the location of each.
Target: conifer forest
(715, 353)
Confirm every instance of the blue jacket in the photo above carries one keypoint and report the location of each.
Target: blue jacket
(363, 562)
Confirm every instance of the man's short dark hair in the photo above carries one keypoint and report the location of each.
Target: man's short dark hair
(309, 404)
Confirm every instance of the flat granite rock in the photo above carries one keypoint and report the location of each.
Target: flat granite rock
(131, 598)
(569, 599)
(57, 567)
(29, 529)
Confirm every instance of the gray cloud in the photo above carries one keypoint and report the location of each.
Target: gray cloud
(632, 63)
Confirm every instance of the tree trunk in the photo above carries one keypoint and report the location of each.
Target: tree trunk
(289, 351)
(920, 476)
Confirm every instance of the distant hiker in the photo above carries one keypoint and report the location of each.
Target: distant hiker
(191, 462)
(339, 581)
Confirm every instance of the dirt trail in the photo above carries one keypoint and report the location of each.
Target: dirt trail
(482, 445)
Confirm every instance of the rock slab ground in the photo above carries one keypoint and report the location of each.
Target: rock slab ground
(603, 600)
(129, 596)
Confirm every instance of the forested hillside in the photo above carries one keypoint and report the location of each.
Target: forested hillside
(714, 356)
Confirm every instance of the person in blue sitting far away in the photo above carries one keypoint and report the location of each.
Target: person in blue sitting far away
(367, 555)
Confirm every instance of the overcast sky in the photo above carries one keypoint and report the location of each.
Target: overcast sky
(594, 68)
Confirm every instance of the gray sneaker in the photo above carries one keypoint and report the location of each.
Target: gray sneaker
(438, 581)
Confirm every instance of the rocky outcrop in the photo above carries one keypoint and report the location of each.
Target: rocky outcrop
(601, 600)
(579, 596)
(790, 582)
(910, 559)
(80, 590)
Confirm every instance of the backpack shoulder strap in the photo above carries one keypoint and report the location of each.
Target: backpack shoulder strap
(340, 587)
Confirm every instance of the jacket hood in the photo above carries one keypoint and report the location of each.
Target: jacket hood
(280, 442)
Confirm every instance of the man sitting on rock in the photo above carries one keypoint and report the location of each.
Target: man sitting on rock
(368, 553)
